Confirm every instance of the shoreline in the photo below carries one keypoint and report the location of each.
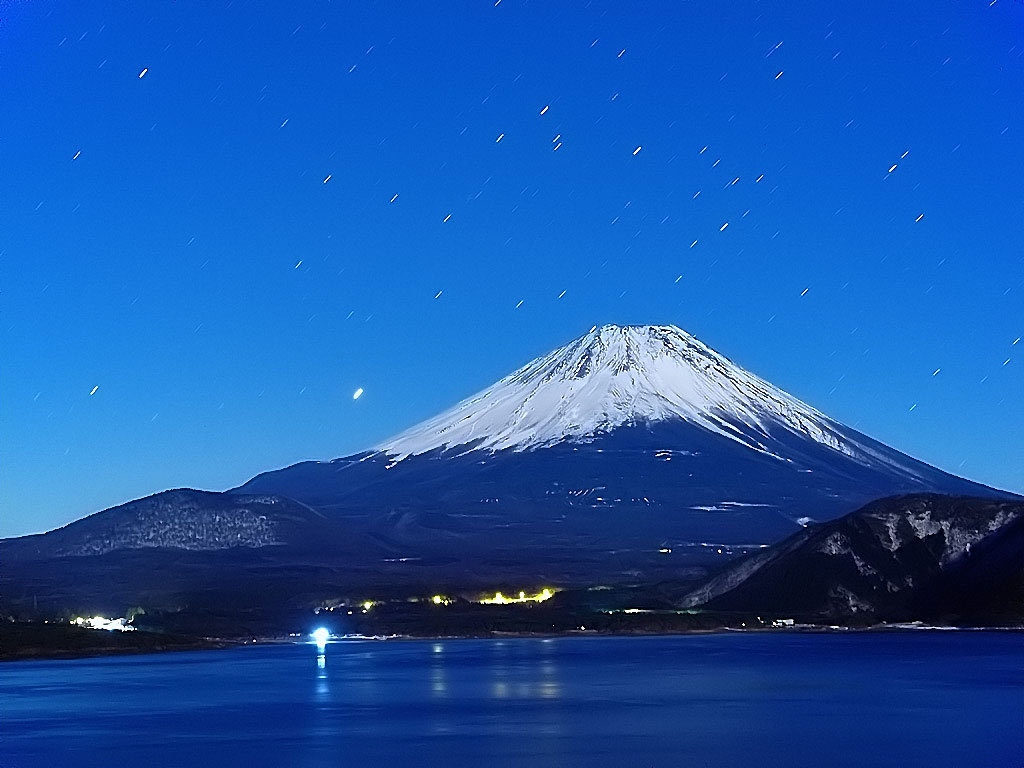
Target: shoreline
(53, 642)
(178, 644)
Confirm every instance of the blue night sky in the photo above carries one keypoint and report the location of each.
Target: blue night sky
(171, 240)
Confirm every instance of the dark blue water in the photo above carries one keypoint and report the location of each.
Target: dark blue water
(916, 699)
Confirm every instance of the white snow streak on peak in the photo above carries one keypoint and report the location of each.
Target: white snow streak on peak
(616, 375)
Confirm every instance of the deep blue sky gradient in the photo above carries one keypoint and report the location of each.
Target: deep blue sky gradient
(192, 264)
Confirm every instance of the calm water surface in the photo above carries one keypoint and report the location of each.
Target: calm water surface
(919, 699)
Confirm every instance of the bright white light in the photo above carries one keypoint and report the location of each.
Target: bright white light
(101, 622)
(357, 394)
(320, 637)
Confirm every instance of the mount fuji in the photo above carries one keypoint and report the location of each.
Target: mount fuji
(605, 454)
(632, 454)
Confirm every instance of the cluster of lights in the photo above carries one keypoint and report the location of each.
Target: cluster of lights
(500, 599)
(101, 622)
(321, 635)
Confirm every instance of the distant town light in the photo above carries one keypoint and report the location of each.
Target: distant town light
(500, 599)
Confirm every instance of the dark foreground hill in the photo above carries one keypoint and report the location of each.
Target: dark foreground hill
(951, 560)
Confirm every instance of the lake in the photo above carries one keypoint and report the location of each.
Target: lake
(774, 699)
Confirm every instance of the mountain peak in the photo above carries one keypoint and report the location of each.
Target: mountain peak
(617, 375)
(636, 346)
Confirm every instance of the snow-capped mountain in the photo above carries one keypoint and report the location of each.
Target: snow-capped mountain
(625, 375)
(634, 442)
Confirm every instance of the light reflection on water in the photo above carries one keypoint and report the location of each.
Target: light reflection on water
(323, 690)
(922, 699)
(438, 684)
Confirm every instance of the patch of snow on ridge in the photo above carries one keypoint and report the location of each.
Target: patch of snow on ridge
(619, 375)
(957, 537)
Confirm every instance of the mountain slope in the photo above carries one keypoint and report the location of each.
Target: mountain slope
(181, 519)
(615, 376)
(897, 559)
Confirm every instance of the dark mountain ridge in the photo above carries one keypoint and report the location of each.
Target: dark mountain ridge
(908, 558)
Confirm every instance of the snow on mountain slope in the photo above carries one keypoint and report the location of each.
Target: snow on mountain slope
(617, 375)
